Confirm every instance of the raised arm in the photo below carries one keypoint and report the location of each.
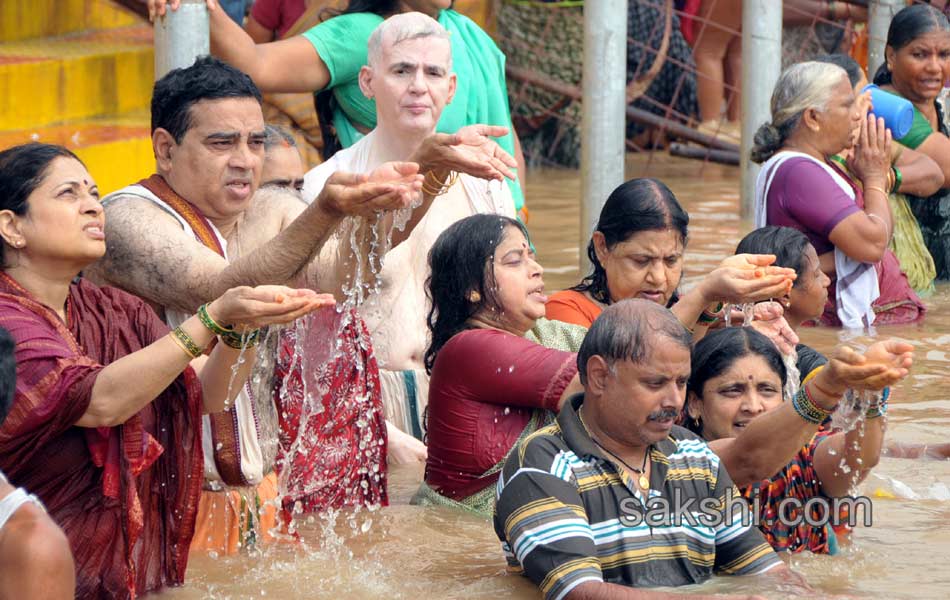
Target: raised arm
(771, 440)
(844, 459)
(290, 65)
(864, 235)
(937, 147)
(150, 255)
(124, 387)
(737, 279)
(920, 174)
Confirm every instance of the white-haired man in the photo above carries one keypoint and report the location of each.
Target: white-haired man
(409, 75)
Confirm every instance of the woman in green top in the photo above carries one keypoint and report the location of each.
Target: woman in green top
(330, 55)
(917, 63)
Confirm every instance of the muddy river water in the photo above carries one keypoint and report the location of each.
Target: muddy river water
(418, 553)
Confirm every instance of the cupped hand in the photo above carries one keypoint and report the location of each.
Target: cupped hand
(883, 364)
(157, 8)
(252, 307)
(390, 186)
(769, 320)
(747, 278)
(469, 150)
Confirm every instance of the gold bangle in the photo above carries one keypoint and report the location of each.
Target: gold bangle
(868, 188)
(436, 187)
(185, 342)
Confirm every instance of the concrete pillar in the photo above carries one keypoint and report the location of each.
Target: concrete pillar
(880, 13)
(761, 67)
(181, 36)
(603, 121)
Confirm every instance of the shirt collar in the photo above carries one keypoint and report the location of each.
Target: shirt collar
(578, 439)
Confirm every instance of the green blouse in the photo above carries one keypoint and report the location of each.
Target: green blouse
(481, 95)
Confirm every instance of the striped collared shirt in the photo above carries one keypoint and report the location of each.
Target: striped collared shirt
(565, 514)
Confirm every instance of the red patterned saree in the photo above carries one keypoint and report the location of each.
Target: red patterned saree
(332, 450)
(126, 496)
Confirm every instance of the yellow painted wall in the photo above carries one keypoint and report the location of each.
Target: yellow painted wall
(23, 19)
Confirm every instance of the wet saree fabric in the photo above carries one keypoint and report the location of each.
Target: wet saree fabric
(126, 496)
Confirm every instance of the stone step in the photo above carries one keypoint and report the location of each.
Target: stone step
(25, 19)
(117, 150)
(56, 80)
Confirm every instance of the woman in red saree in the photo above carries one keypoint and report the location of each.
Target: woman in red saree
(105, 425)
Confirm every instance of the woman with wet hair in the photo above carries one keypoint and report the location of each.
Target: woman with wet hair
(805, 302)
(636, 251)
(916, 67)
(735, 402)
(490, 386)
(815, 115)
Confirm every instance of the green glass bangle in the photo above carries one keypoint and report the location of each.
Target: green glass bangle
(710, 317)
(210, 323)
(898, 179)
(239, 341)
(807, 409)
(181, 337)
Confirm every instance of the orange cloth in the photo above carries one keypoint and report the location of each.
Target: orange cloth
(573, 307)
(228, 519)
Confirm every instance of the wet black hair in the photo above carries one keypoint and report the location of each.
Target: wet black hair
(718, 351)
(7, 373)
(907, 25)
(208, 79)
(642, 204)
(460, 262)
(787, 244)
(22, 169)
(850, 66)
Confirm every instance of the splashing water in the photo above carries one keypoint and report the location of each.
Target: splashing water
(746, 308)
(793, 375)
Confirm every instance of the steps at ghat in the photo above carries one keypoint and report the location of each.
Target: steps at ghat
(78, 73)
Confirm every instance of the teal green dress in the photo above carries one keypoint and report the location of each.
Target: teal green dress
(481, 96)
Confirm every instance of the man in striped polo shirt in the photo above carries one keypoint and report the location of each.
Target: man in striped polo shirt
(614, 492)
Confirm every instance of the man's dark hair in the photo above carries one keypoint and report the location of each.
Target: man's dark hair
(628, 330)
(207, 79)
(7, 373)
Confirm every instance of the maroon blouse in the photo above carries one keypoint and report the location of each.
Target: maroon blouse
(485, 386)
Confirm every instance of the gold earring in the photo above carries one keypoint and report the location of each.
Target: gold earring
(474, 297)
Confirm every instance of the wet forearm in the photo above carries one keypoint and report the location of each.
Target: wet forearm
(283, 259)
(125, 386)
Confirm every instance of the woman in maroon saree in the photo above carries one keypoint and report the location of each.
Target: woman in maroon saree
(490, 385)
(105, 425)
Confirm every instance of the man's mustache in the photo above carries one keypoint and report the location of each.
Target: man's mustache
(664, 414)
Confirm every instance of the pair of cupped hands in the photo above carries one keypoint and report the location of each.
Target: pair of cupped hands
(398, 185)
(392, 186)
(753, 278)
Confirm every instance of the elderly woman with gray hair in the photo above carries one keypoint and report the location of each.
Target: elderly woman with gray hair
(816, 115)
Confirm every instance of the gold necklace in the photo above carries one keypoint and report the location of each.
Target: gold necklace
(641, 479)
(641, 475)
